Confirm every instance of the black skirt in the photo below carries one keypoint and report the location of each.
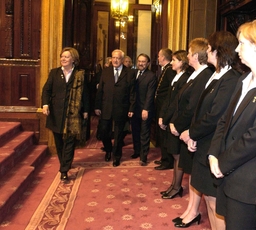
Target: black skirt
(202, 179)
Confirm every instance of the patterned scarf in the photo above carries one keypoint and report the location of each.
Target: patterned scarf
(74, 121)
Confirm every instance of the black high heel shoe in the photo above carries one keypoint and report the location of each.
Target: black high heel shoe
(177, 220)
(166, 192)
(179, 192)
(183, 225)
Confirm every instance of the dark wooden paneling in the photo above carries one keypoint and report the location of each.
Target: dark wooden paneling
(233, 13)
(23, 86)
(5, 84)
(27, 16)
(20, 24)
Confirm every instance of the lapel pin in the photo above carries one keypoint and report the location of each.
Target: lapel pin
(254, 100)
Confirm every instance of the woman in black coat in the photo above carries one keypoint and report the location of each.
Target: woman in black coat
(65, 101)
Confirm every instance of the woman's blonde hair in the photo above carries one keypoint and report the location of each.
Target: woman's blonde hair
(74, 54)
(248, 30)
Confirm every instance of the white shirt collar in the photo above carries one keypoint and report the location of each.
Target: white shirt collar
(177, 77)
(217, 76)
(197, 72)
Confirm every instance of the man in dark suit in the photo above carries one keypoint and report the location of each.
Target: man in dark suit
(145, 87)
(114, 100)
(164, 83)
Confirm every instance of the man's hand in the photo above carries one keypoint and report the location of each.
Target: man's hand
(144, 115)
(130, 114)
(97, 112)
(85, 115)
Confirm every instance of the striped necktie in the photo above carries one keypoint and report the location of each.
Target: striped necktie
(116, 75)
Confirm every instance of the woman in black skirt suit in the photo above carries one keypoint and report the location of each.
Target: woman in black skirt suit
(211, 105)
(183, 107)
(179, 64)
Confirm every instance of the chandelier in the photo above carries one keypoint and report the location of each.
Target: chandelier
(119, 9)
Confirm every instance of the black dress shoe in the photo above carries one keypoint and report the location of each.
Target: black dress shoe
(183, 225)
(107, 156)
(166, 192)
(171, 196)
(161, 167)
(158, 162)
(116, 163)
(134, 156)
(177, 220)
(64, 176)
(143, 163)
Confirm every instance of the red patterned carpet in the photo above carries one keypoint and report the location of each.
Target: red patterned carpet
(99, 196)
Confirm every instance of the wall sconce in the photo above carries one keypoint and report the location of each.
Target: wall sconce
(156, 7)
(120, 23)
(119, 9)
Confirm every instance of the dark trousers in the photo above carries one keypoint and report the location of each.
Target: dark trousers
(105, 133)
(141, 136)
(166, 158)
(240, 215)
(65, 150)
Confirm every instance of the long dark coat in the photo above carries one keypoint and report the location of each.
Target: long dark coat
(56, 94)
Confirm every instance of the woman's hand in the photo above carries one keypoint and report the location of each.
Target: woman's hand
(46, 110)
(173, 130)
(192, 145)
(214, 166)
(184, 136)
(160, 123)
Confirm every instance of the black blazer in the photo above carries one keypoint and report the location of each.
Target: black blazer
(234, 144)
(172, 92)
(145, 88)
(56, 94)
(167, 76)
(211, 106)
(115, 100)
(185, 102)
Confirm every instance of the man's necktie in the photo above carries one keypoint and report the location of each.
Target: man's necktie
(116, 75)
(139, 75)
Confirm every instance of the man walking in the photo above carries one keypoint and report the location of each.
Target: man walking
(114, 99)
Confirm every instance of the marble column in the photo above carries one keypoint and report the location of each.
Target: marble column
(51, 46)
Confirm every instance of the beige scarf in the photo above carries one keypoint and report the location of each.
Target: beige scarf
(74, 121)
